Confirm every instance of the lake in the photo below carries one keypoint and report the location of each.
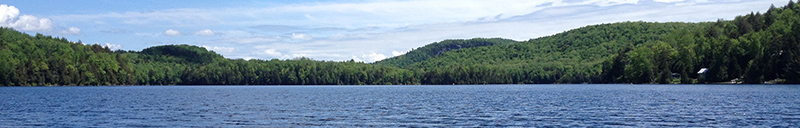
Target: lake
(403, 106)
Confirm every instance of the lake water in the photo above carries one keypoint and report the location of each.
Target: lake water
(403, 106)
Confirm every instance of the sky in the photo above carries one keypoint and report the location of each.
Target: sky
(338, 30)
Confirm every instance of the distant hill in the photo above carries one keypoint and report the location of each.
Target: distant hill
(183, 53)
(41, 60)
(432, 50)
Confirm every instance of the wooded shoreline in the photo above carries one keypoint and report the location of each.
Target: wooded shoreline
(750, 49)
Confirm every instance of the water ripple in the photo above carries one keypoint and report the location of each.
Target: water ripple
(404, 106)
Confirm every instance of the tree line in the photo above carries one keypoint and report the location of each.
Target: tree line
(753, 48)
(44, 60)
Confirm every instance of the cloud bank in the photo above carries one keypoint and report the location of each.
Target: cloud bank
(10, 17)
(171, 32)
(206, 32)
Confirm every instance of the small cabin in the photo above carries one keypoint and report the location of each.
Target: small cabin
(702, 71)
(702, 74)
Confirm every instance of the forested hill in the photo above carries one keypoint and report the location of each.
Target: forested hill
(43, 60)
(432, 50)
(47, 61)
(574, 56)
(182, 53)
(753, 48)
(179, 65)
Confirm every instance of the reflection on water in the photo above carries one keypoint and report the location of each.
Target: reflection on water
(404, 106)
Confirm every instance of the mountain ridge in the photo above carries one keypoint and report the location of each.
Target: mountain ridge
(434, 49)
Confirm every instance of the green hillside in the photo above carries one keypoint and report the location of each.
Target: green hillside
(753, 48)
(181, 53)
(43, 60)
(432, 50)
(570, 57)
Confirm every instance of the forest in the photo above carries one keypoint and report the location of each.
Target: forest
(754, 48)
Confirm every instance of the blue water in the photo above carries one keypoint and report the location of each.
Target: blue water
(403, 106)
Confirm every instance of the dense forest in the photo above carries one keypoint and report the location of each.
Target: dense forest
(43, 60)
(192, 65)
(434, 49)
(753, 48)
(574, 56)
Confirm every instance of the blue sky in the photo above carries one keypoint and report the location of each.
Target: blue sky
(363, 30)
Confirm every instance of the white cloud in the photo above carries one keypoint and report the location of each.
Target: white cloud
(270, 52)
(206, 32)
(32, 23)
(148, 34)
(309, 17)
(172, 32)
(398, 53)
(8, 14)
(113, 46)
(614, 2)
(668, 1)
(219, 49)
(301, 36)
(9, 17)
(253, 39)
(71, 31)
(114, 31)
(371, 57)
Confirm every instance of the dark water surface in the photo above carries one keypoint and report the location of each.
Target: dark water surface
(403, 106)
